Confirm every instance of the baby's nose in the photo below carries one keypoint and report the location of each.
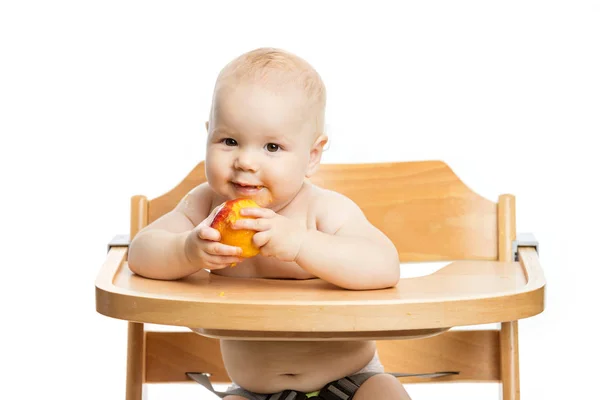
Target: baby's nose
(246, 161)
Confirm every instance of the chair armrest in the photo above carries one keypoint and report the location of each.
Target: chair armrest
(530, 261)
(526, 250)
(116, 257)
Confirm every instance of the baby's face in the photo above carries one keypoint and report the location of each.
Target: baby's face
(259, 143)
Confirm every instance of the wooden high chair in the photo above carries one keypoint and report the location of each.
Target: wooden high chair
(428, 213)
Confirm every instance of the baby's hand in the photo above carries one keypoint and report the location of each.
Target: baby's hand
(276, 236)
(202, 247)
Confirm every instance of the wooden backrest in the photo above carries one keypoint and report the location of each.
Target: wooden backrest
(427, 211)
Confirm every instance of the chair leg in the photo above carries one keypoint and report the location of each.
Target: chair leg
(135, 361)
(509, 359)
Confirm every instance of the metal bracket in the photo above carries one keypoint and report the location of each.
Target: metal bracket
(524, 240)
(118, 241)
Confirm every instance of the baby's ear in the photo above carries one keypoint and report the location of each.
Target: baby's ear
(316, 152)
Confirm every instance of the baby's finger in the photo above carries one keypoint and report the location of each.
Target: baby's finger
(261, 238)
(257, 212)
(259, 224)
(212, 266)
(208, 233)
(224, 260)
(220, 249)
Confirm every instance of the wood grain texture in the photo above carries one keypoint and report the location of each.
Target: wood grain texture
(169, 355)
(474, 354)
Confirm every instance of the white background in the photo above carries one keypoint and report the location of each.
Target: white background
(103, 100)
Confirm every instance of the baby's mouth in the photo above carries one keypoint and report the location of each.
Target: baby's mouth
(246, 188)
(258, 193)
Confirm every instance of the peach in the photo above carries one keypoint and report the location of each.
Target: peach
(226, 214)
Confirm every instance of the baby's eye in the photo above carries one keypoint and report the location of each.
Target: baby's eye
(229, 142)
(272, 147)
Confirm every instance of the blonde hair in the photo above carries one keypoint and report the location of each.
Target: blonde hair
(275, 68)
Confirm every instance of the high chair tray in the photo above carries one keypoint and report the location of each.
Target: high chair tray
(461, 293)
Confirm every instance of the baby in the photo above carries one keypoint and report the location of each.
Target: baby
(265, 140)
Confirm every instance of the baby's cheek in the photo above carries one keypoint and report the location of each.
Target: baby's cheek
(215, 169)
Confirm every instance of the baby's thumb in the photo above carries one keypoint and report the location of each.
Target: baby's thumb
(205, 232)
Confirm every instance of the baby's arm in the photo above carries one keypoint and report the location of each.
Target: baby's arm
(180, 242)
(348, 250)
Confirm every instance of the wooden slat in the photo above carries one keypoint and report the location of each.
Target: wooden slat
(169, 355)
(426, 210)
(135, 331)
(423, 207)
(509, 330)
(475, 354)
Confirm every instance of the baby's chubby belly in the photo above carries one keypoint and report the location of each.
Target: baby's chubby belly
(270, 367)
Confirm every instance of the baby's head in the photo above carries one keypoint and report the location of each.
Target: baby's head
(284, 74)
(266, 126)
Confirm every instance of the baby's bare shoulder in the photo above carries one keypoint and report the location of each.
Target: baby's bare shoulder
(332, 209)
(197, 203)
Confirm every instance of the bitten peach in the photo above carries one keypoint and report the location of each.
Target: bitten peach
(226, 215)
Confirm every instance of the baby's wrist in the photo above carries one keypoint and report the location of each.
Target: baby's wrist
(186, 244)
(304, 237)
